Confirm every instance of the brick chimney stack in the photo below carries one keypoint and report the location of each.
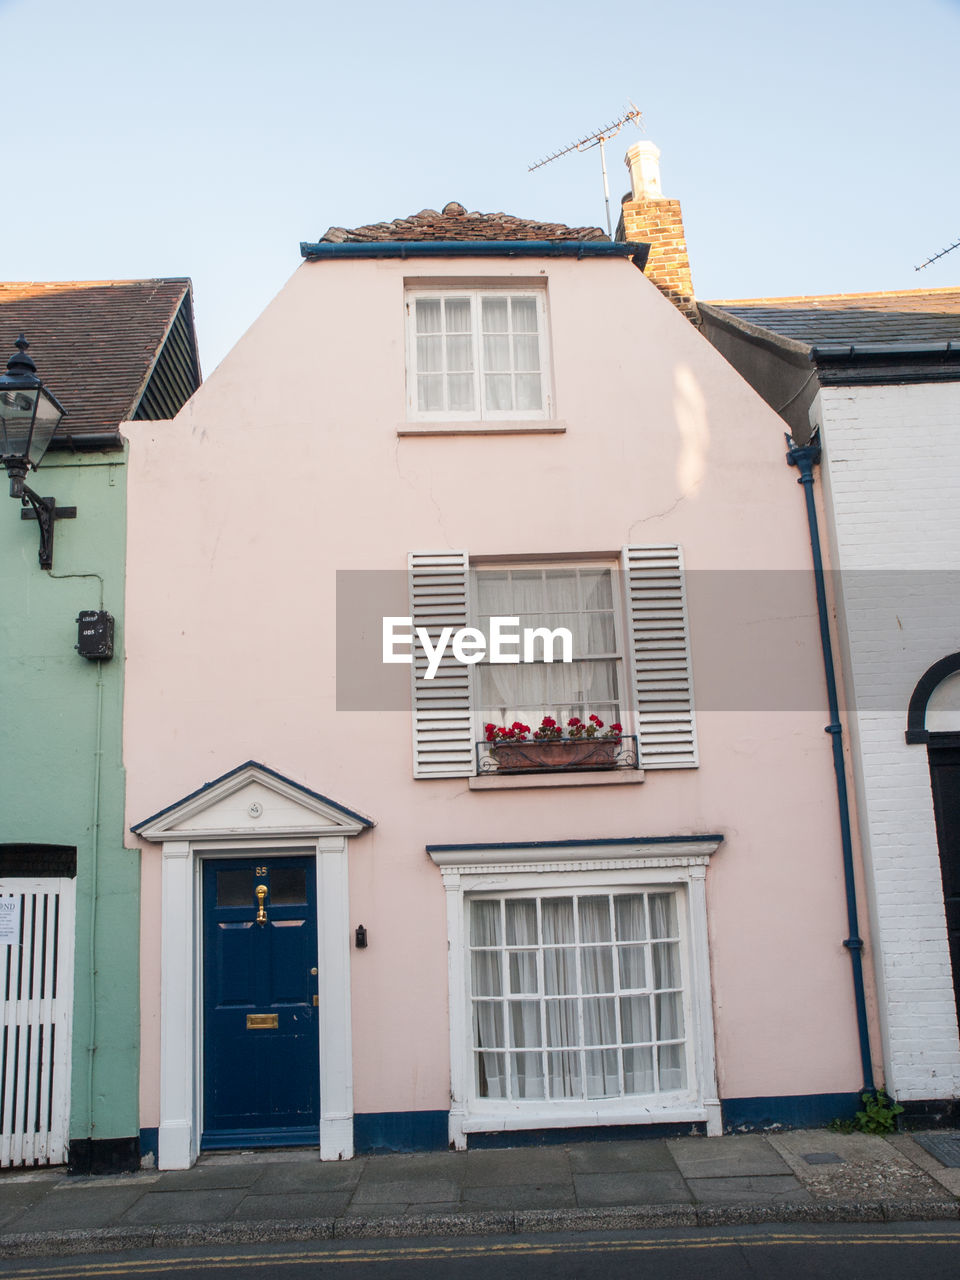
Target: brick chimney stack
(648, 216)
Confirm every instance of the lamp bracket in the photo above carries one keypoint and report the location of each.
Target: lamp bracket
(46, 511)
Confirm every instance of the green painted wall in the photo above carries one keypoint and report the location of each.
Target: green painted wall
(55, 787)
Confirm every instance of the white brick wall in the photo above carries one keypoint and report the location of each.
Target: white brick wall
(892, 478)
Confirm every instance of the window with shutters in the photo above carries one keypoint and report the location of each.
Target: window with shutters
(477, 355)
(630, 662)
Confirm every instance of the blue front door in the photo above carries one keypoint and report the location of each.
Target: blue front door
(261, 1050)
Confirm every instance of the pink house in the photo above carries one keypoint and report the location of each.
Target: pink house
(371, 922)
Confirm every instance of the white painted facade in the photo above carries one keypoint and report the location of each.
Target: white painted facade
(890, 476)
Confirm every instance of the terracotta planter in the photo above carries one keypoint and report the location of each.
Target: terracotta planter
(558, 753)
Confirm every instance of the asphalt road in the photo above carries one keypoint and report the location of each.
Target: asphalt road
(882, 1252)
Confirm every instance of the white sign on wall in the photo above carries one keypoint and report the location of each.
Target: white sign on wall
(9, 919)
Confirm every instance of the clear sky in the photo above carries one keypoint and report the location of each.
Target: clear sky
(813, 146)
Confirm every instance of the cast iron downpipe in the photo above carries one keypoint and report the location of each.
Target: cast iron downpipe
(805, 458)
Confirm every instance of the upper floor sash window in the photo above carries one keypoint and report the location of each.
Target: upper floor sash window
(475, 355)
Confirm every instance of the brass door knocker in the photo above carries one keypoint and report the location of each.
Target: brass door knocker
(261, 895)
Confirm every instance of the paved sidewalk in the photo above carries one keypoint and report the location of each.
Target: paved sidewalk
(798, 1176)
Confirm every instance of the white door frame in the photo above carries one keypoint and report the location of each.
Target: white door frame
(249, 813)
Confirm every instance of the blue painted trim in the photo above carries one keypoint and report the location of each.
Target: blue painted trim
(805, 458)
(588, 1133)
(228, 1139)
(400, 1131)
(427, 1130)
(149, 1143)
(477, 249)
(793, 1111)
(573, 844)
(254, 764)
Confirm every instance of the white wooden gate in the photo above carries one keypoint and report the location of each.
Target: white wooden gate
(36, 1001)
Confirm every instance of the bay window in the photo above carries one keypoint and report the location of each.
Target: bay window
(579, 983)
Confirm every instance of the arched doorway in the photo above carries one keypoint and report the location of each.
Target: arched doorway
(934, 719)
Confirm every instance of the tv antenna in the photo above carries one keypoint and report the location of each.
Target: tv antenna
(596, 139)
(941, 254)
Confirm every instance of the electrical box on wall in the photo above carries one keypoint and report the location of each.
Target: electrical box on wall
(95, 634)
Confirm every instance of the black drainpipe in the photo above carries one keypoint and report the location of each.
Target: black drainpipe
(805, 458)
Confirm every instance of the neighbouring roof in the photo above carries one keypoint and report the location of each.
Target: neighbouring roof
(110, 350)
(853, 319)
(453, 222)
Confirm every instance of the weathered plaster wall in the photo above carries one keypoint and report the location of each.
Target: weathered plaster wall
(286, 466)
(52, 753)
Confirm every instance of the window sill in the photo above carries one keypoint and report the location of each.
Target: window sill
(516, 781)
(544, 1118)
(537, 426)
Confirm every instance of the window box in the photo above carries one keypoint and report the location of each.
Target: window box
(560, 755)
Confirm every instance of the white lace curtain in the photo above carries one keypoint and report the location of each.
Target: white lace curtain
(580, 600)
(563, 1040)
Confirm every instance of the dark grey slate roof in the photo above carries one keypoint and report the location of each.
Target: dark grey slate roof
(853, 319)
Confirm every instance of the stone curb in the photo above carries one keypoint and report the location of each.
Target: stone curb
(451, 1225)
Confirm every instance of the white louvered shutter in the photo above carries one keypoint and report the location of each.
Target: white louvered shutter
(443, 745)
(659, 644)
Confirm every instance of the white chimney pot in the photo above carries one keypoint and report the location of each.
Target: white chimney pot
(643, 161)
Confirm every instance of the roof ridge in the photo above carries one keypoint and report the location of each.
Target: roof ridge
(831, 297)
(53, 284)
(454, 222)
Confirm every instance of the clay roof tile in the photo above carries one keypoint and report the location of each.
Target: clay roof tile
(455, 223)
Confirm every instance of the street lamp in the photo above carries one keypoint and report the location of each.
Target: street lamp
(29, 415)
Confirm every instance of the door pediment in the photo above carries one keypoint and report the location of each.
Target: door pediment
(251, 801)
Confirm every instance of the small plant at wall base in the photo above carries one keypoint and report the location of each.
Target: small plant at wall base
(878, 1115)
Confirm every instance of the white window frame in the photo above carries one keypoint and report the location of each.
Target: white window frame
(675, 865)
(619, 656)
(543, 999)
(481, 414)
